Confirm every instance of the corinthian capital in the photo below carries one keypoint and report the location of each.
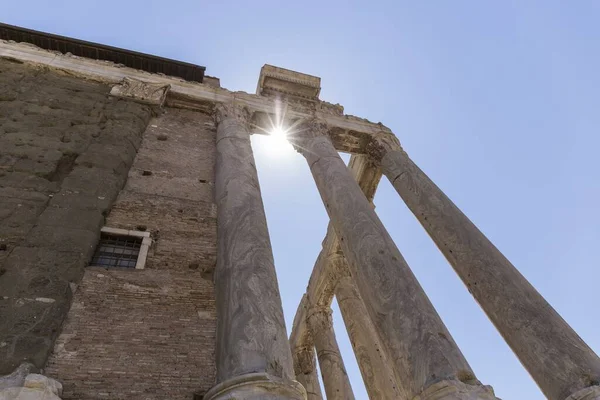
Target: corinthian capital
(381, 143)
(238, 112)
(304, 360)
(320, 320)
(307, 134)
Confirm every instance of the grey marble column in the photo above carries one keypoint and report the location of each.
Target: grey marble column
(335, 379)
(305, 366)
(375, 366)
(254, 360)
(555, 356)
(420, 347)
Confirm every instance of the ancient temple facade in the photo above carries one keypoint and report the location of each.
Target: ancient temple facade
(135, 259)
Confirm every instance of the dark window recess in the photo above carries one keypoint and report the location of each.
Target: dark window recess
(117, 251)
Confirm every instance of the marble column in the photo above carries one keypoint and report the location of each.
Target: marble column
(555, 356)
(375, 366)
(253, 356)
(335, 379)
(418, 343)
(305, 366)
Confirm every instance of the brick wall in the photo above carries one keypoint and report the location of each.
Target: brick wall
(65, 150)
(150, 334)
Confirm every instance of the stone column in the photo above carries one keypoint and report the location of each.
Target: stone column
(335, 379)
(418, 343)
(305, 366)
(555, 356)
(254, 360)
(375, 366)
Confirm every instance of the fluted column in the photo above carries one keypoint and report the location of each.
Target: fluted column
(375, 366)
(555, 356)
(335, 379)
(254, 360)
(418, 343)
(305, 366)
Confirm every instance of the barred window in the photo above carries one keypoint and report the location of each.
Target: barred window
(121, 248)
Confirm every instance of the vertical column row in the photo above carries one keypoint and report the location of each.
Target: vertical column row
(253, 354)
(559, 361)
(420, 347)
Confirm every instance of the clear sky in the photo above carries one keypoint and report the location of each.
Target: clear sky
(498, 102)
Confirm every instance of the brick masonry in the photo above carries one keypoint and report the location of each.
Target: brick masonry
(150, 334)
(65, 150)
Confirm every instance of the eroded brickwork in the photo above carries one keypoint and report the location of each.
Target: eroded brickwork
(150, 334)
(65, 150)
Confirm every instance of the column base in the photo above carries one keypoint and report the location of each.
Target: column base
(456, 390)
(257, 386)
(589, 393)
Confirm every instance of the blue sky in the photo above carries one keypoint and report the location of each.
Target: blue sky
(498, 102)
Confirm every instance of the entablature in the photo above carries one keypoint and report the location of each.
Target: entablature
(349, 134)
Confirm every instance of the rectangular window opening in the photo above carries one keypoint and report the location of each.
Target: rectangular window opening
(121, 248)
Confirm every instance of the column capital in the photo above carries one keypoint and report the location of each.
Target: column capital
(382, 143)
(304, 360)
(303, 136)
(232, 110)
(320, 319)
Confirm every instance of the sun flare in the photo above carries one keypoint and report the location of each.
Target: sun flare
(277, 142)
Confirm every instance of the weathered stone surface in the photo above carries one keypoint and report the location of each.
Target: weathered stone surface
(555, 356)
(137, 335)
(335, 378)
(141, 91)
(373, 362)
(17, 377)
(415, 338)
(251, 329)
(257, 386)
(43, 383)
(27, 394)
(305, 367)
(590, 393)
(456, 390)
(51, 202)
(150, 334)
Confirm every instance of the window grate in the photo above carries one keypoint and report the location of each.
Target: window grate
(117, 251)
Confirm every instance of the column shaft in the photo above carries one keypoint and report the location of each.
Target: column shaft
(305, 366)
(251, 334)
(555, 356)
(335, 379)
(419, 345)
(375, 366)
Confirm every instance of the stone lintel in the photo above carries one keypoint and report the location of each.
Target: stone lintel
(276, 80)
(321, 285)
(349, 133)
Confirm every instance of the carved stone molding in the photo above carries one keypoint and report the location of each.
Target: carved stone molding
(304, 360)
(382, 143)
(256, 386)
(140, 91)
(320, 319)
(238, 112)
(456, 390)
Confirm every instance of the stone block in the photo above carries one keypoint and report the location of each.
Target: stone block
(68, 217)
(43, 383)
(63, 239)
(94, 181)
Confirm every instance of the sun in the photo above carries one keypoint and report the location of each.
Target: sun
(276, 142)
